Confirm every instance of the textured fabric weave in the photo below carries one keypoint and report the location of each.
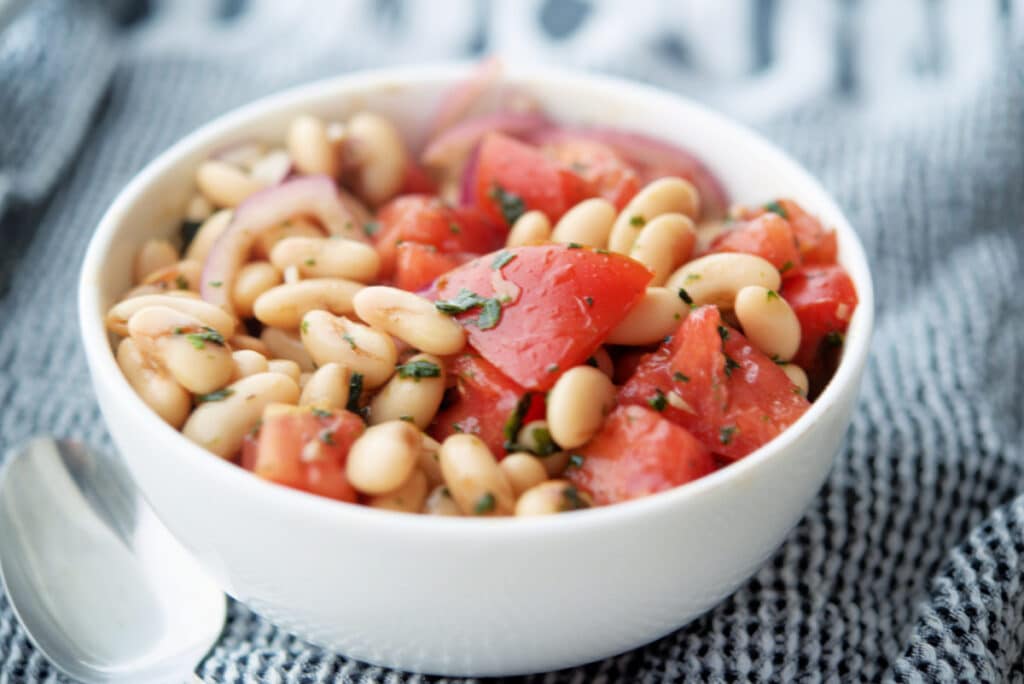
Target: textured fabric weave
(908, 566)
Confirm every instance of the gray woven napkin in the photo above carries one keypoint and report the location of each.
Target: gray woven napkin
(908, 565)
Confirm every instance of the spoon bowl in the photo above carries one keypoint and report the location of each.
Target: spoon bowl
(102, 588)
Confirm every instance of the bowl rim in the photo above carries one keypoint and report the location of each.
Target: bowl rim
(104, 369)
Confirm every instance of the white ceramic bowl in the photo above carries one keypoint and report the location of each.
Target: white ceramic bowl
(464, 596)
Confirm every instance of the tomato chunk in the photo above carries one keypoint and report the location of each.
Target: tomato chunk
(417, 181)
(485, 403)
(636, 453)
(517, 177)
(429, 221)
(305, 449)
(714, 383)
(816, 245)
(600, 166)
(417, 266)
(768, 236)
(824, 299)
(557, 304)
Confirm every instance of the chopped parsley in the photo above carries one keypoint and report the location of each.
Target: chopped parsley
(574, 245)
(218, 395)
(575, 460)
(304, 327)
(771, 294)
(490, 315)
(834, 339)
(726, 434)
(205, 335)
(490, 308)
(786, 267)
(216, 283)
(348, 338)
(510, 204)
(181, 282)
(553, 368)
(543, 444)
(637, 220)
(589, 300)
(327, 437)
(407, 419)
(693, 277)
(572, 501)
(502, 258)
(679, 377)
(685, 296)
(723, 332)
(515, 421)
(776, 208)
(602, 250)
(730, 365)
(371, 227)
(454, 228)
(457, 427)
(321, 413)
(310, 262)
(658, 402)
(592, 361)
(485, 504)
(355, 391)
(419, 369)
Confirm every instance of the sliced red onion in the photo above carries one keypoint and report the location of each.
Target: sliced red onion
(316, 196)
(653, 158)
(467, 181)
(451, 146)
(457, 102)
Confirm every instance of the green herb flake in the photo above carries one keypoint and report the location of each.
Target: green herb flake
(834, 339)
(589, 300)
(485, 504)
(771, 294)
(510, 204)
(321, 413)
(679, 377)
(490, 315)
(355, 391)
(351, 340)
(515, 420)
(327, 437)
(371, 228)
(776, 208)
(574, 245)
(419, 369)
(637, 220)
(730, 365)
(553, 368)
(726, 433)
(181, 282)
(602, 250)
(199, 339)
(457, 427)
(692, 278)
(460, 303)
(786, 267)
(658, 402)
(502, 258)
(685, 296)
(218, 395)
(544, 445)
(304, 327)
(454, 228)
(723, 332)
(310, 262)
(216, 283)
(407, 419)
(575, 460)
(592, 361)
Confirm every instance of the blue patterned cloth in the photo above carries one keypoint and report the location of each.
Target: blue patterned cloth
(908, 565)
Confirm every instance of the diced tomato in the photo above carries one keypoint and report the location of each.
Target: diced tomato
(768, 236)
(305, 449)
(636, 453)
(417, 266)
(626, 360)
(557, 305)
(711, 381)
(417, 181)
(519, 172)
(816, 245)
(823, 298)
(600, 166)
(485, 403)
(429, 221)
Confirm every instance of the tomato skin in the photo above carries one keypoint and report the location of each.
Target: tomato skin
(305, 450)
(824, 299)
(417, 266)
(768, 236)
(525, 171)
(637, 453)
(600, 166)
(740, 399)
(549, 326)
(484, 401)
(429, 221)
(816, 245)
(417, 181)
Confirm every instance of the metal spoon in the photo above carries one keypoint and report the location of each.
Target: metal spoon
(102, 588)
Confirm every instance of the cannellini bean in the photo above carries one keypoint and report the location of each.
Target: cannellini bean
(158, 390)
(310, 148)
(553, 496)
(198, 209)
(247, 362)
(409, 498)
(474, 478)
(523, 471)
(656, 315)
(152, 256)
(410, 318)
(196, 356)
(797, 376)
(430, 459)
(303, 381)
(327, 258)
(213, 316)
(327, 387)
(706, 234)
(297, 227)
(212, 228)
(717, 278)
(285, 344)
(381, 156)
(440, 502)
(412, 393)
(271, 168)
(253, 279)
(604, 362)
(535, 437)
(664, 244)
(291, 275)
(183, 275)
(223, 184)
(251, 343)
(285, 367)
(588, 223)
(768, 321)
(663, 196)
(284, 306)
(529, 229)
(577, 405)
(384, 457)
(220, 425)
(358, 347)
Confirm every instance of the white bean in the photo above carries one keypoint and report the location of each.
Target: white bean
(285, 344)
(440, 502)
(327, 258)
(251, 343)
(247, 362)
(195, 355)
(212, 228)
(213, 316)
(662, 196)
(553, 496)
(577, 405)
(664, 244)
(253, 279)
(384, 457)
(652, 318)
(409, 498)
(285, 367)
(430, 459)
(588, 223)
(797, 376)
(410, 318)
(284, 306)
(152, 256)
(198, 209)
(297, 227)
(474, 478)
(181, 276)
(156, 388)
(327, 388)
(768, 321)
(381, 157)
(531, 228)
(223, 184)
(360, 348)
(413, 393)
(523, 471)
(310, 148)
(220, 425)
(271, 168)
(717, 278)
